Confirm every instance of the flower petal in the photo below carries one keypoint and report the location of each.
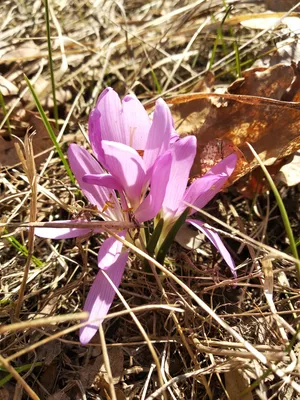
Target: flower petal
(95, 134)
(203, 189)
(105, 180)
(149, 208)
(101, 296)
(227, 166)
(183, 154)
(127, 167)
(83, 163)
(110, 251)
(136, 122)
(159, 135)
(63, 233)
(111, 117)
(216, 241)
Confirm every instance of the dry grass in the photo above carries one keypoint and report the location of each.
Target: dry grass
(191, 332)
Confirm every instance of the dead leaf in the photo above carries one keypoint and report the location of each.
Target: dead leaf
(286, 52)
(236, 382)
(189, 238)
(7, 88)
(94, 374)
(214, 152)
(253, 112)
(26, 51)
(270, 82)
(49, 351)
(116, 359)
(293, 23)
(290, 172)
(41, 141)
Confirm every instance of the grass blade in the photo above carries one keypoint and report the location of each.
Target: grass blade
(49, 129)
(282, 210)
(55, 110)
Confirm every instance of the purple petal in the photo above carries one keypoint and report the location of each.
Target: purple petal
(111, 117)
(183, 154)
(174, 136)
(227, 166)
(105, 180)
(136, 122)
(159, 135)
(203, 189)
(216, 241)
(101, 296)
(83, 163)
(95, 134)
(127, 167)
(159, 180)
(110, 251)
(63, 233)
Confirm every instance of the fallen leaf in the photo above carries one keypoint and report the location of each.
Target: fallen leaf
(189, 238)
(251, 111)
(290, 172)
(293, 23)
(41, 141)
(94, 374)
(26, 51)
(286, 52)
(7, 88)
(214, 152)
(236, 382)
(49, 351)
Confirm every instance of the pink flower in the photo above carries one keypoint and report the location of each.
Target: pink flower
(127, 143)
(139, 181)
(199, 193)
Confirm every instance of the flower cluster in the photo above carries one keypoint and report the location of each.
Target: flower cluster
(140, 170)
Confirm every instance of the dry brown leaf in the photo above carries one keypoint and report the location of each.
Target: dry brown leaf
(214, 152)
(94, 374)
(236, 382)
(41, 142)
(252, 111)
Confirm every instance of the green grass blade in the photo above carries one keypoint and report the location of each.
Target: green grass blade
(23, 368)
(157, 85)
(2, 103)
(155, 237)
(237, 60)
(19, 246)
(49, 129)
(55, 109)
(282, 210)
